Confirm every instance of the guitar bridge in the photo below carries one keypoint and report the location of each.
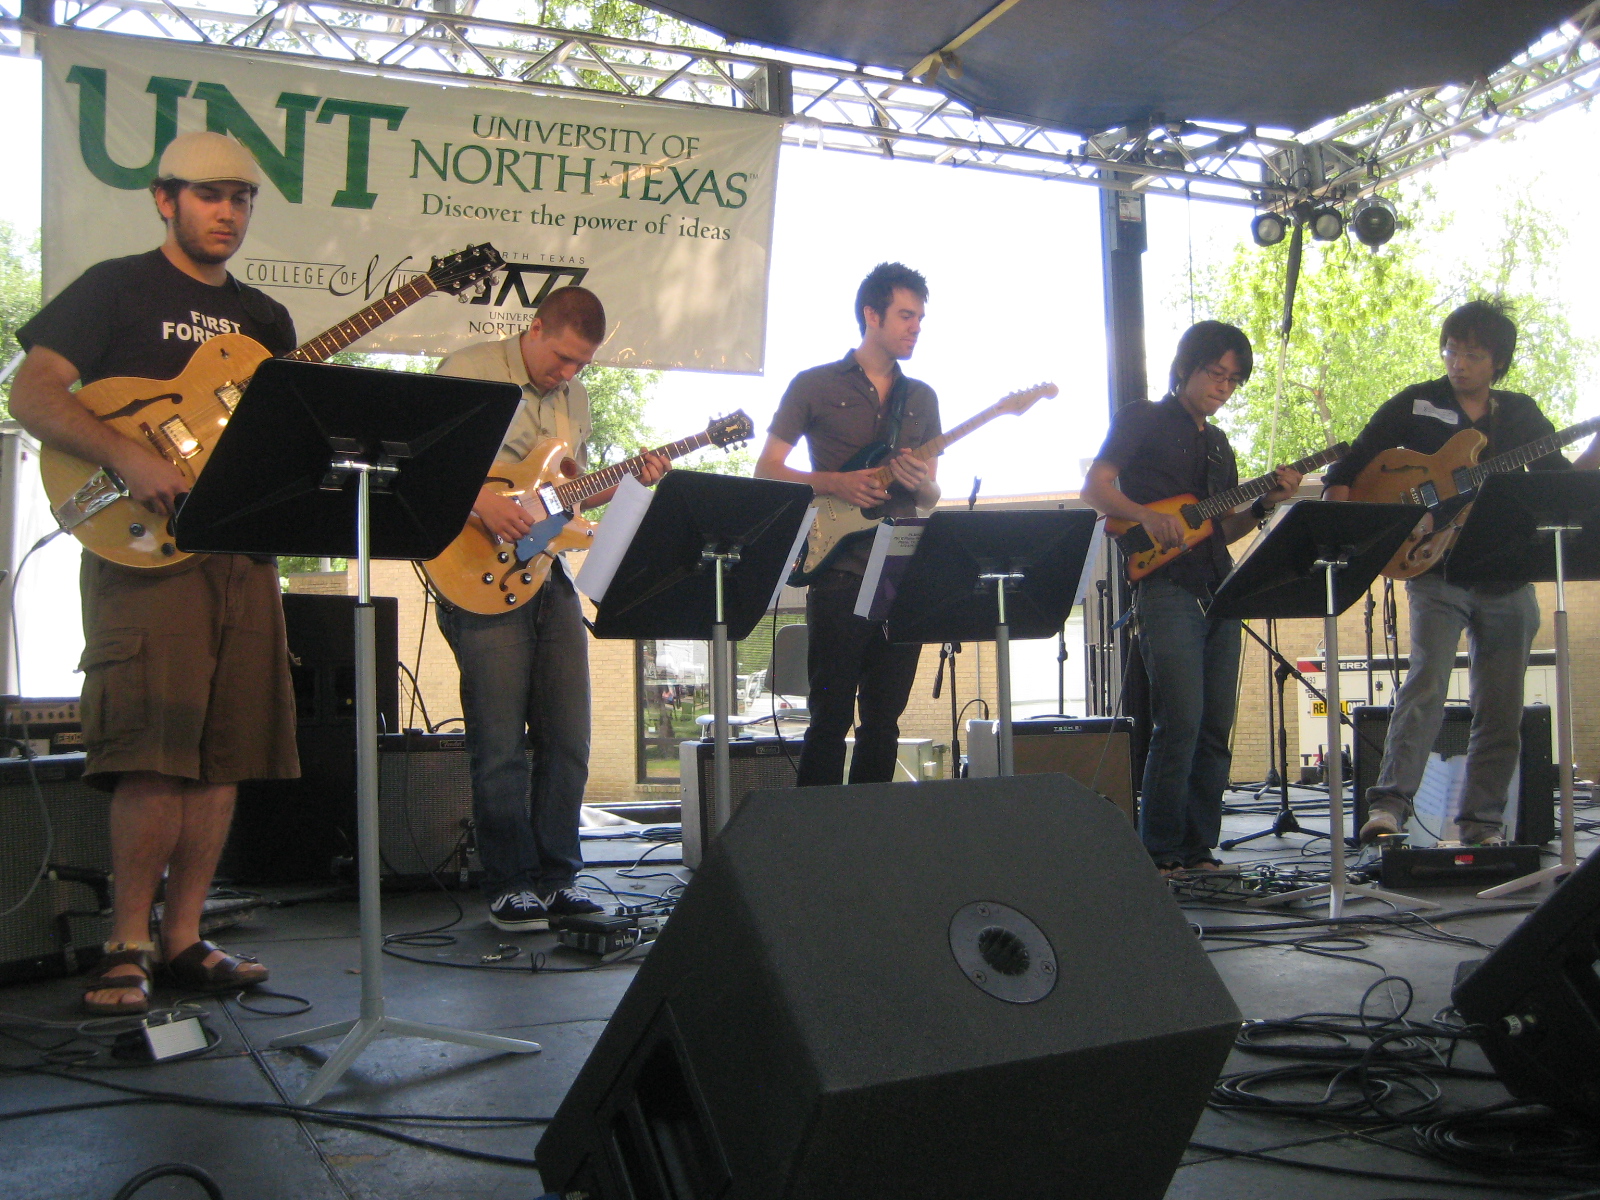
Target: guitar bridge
(99, 491)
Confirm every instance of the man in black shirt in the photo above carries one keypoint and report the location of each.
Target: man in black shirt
(186, 688)
(1477, 342)
(841, 408)
(1152, 452)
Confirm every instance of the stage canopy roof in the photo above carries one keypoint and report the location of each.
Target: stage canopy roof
(1091, 65)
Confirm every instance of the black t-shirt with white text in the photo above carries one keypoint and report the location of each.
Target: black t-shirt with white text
(141, 316)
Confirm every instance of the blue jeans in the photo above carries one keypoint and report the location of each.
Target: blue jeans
(1193, 665)
(1500, 628)
(525, 685)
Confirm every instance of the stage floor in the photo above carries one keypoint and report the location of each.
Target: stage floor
(312, 950)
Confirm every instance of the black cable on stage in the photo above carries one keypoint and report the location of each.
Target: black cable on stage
(1514, 1138)
(169, 1170)
(1498, 1186)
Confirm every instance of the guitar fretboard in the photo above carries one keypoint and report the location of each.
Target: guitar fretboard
(934, 447)
(1225, 502)
(328, 343)
(1512, 460)
(578, 490)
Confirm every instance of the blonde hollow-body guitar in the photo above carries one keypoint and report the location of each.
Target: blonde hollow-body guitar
(181, 418)
(482, 574)
(1199, 517)
(838, 523)
(1443, 483)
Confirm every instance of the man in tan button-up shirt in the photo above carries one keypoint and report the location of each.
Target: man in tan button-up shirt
(525, 673)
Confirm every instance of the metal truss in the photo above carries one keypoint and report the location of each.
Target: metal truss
(864, 111)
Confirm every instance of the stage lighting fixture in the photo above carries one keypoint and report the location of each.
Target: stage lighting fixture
(1373, 221)
(1326, 224)
(1269, 228)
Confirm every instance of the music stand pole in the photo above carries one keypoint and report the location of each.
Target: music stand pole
(721, 670)
(1569, 845)
(1002, 671)
(372, 1023)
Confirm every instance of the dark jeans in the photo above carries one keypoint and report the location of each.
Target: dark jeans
(1193, 666)
(851, 663)
(525, 683)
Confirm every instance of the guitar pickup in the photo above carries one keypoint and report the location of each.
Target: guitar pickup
(229, 395)
(180, 438)
(551, 499)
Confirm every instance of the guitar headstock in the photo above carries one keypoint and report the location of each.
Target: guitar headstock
(730, 430)
(1021, 402)
(455, 273)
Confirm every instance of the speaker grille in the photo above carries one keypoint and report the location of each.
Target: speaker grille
(753, 764)
(35, 939)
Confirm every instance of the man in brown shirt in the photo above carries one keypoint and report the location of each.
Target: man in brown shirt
(840, 408)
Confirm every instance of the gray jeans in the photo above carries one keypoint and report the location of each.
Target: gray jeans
(1500, 628)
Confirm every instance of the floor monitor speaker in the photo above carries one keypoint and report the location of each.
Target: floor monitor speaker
(960, 990)
(1530, 806)
(1537, 998)
(1096, 751)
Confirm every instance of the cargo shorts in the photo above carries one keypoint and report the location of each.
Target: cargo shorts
(186, 672)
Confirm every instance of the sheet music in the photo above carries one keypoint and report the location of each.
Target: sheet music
(1091, 561)
(613, 536)
(794, 553)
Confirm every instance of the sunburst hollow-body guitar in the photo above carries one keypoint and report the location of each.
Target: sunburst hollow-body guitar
(1443, 483)
(1199, 517)
(482, 574)
(839, 524)
(181, 418)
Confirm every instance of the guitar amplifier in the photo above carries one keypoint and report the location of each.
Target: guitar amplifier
(753, 764)
(1530, 803)
(321, 634)
(1093, 751)
(297, 830)
(64, 923)
(49, 724)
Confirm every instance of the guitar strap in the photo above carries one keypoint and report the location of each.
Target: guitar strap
(894, 412)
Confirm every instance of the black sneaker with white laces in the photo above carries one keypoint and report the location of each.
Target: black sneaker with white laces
(518, 912)
(570, 902)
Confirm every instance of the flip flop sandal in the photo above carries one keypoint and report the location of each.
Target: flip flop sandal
(1209, 865)
(188, 969)
(1170, 870)
(108, 978)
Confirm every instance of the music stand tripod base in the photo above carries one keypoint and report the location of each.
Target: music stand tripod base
(1315, 559)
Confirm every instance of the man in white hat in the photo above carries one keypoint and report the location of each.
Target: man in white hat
(186, 688)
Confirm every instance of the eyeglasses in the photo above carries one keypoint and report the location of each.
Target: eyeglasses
(1219, 376)
(1471, 355)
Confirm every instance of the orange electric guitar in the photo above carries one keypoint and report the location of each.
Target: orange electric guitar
(1199, 517)
(482, 574)
(182, 418)
(1442, 483)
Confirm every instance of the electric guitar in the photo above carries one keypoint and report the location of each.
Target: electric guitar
(1443, 483)
(482, 574)
(181, 418)
(1199, 517)
(839, 524)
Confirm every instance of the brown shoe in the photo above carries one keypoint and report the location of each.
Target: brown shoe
(125, 968)
(1380, 823)
(230, 973)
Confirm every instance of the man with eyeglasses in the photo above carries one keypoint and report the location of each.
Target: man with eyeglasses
(1477, 342)
(1154, 451)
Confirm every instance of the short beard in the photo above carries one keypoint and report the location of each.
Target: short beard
(190, 244)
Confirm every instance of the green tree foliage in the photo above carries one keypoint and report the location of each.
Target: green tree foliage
(19, 295)
(617, 401)
(1367, 325)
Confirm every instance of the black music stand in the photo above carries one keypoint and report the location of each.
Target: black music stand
(1537, 527)
(418, 448)
(702, 566)
(1316, 559)
(979, 575)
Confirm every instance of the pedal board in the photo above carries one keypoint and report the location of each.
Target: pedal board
(607, 937)
(1456, 866)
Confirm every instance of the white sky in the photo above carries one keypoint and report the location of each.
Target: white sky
(1013, 268)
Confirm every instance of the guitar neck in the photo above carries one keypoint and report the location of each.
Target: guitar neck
(572, 494)
(1513, 460)
(328, 343)
(934, 447)
(1225, 502)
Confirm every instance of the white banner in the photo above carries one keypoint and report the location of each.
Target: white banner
(664, 211)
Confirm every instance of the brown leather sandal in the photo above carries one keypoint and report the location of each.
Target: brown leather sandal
(231, 973)
(108, 978)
